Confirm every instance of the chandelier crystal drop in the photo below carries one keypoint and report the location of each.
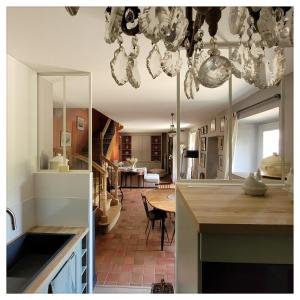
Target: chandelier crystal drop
(258, 57)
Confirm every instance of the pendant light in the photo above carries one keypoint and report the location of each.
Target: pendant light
(172, 131)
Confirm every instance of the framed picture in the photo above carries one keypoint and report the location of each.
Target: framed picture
(202, 159)
(213, 125)
(222, 124)
(221, 142)
(220, 165)
(203, 144)
(80, 123)
(68, 139)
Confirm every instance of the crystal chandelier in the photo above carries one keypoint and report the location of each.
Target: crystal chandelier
(172, 131)
(258, 57)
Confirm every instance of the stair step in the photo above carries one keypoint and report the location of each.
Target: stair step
(113, 215)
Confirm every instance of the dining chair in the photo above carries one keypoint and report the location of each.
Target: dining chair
(153, 215)
(173, 234)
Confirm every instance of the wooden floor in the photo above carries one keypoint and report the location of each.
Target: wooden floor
(122, 256)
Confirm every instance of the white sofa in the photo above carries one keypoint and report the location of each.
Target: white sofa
(152, 178)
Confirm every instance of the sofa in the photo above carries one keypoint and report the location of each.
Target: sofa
(149, 179)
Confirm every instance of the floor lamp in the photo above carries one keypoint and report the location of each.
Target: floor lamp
(192, 154)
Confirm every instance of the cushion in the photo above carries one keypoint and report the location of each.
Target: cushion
(161, 172)
(153, 178)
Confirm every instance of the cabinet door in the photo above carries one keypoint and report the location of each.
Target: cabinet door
(65, 279)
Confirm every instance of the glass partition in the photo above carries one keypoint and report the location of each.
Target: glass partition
(256, 138)
(203, 130)
(210, 149)
(63, 121)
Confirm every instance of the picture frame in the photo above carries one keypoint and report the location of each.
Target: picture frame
(68, 139)
(202, 159)
(203, 144)
(80, 123)
(213, 125)
(221, 143)
(220, 164)
(222, 124)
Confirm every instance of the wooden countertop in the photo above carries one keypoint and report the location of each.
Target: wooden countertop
(53, 267)
(160, 199)
(225, 208)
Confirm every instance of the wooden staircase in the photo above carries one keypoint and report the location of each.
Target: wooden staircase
(105, 197)
(108, 205)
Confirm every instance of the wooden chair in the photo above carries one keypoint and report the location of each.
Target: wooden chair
(152, 215)
(173, 234)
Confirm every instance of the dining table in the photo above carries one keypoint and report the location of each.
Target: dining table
(163, 199)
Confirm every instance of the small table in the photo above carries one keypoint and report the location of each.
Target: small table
(130, 173)
(162, 199)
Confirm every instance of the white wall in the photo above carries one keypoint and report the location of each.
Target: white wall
(245, 156)
(45, 111)
(21, 143)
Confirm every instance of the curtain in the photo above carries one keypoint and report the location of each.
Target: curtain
(226, 143)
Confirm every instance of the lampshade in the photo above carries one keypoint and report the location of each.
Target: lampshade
(192, 153)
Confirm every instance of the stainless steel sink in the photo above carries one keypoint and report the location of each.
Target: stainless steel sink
(28, 255)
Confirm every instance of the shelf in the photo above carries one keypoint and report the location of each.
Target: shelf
(155, 148)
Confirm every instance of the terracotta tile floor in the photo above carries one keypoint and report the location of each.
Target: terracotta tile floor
(122, 256)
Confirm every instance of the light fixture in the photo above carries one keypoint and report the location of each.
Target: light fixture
(257, 57)
(172, 131)
(72, 10)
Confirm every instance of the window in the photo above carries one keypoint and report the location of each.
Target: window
(270, 142)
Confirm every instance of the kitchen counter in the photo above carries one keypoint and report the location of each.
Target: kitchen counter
(226, 208)
(54, 266)
(225, 239)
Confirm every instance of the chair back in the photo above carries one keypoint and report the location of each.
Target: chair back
(145, 205)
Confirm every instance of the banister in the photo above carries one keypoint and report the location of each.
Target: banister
(94, 164)
(110, 163)
(106, 127)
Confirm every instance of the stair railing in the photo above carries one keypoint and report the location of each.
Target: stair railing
(100, 185)
(112, 173)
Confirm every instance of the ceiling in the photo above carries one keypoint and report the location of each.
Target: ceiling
(49, 39)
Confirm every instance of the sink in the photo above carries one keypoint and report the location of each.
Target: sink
(28, 255)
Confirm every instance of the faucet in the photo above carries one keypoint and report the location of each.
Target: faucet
(13, 218)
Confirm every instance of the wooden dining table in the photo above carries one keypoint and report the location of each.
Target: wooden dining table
(163, 199)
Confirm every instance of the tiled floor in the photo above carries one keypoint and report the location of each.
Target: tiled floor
(122, 256)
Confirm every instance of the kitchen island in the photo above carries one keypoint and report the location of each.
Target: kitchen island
(227, 241)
